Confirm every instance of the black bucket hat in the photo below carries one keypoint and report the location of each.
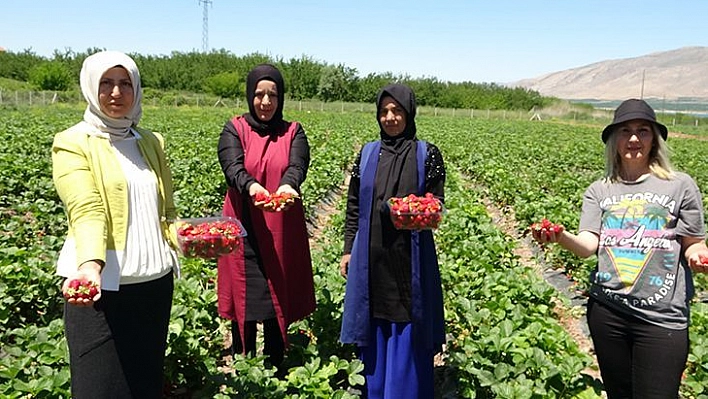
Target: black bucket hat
(630, 110)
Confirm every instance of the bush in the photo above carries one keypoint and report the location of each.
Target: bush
(226, 84)
(51, 76)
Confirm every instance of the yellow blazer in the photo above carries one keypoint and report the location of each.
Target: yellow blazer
(89, 180)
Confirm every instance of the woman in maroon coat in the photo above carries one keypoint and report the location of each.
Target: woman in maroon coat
(270, 279)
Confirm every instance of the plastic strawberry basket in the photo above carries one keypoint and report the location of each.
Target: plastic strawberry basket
(209, 237)
(415, 213)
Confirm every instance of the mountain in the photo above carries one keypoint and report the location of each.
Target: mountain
(674, 74)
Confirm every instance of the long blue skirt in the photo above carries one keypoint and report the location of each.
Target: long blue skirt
(393, 368)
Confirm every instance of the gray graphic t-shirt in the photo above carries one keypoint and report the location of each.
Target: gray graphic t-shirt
(641, 270)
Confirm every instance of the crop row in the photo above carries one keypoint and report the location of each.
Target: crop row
(502, 339)
(541, 171)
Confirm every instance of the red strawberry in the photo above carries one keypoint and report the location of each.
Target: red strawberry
(415, 213)
(209, 239)
(275, 202)
(81, 289)
(546, 227)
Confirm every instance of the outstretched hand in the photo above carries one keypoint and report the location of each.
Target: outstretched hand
(83, 288)
(256, 191)
(698, 261)
(546, 231)
(285, 189)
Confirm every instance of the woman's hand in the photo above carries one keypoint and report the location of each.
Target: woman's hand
(696, 254)
(583, 244)
(89, 271)
(286, 189)
(546, 231)
(255, 191)
(344, 265)
(543, 237)
(698, 261)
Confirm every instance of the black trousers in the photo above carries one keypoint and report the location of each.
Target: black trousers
(117, 346)
(638, 360)
(273, 345)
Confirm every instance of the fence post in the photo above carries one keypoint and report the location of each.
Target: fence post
(54, 98)
(488, 113)
(453, 112)
(30, 97)
(342, 106)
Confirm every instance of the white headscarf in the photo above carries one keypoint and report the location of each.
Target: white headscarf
(91, 72)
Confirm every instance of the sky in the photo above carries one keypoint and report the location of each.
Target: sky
(499, 41)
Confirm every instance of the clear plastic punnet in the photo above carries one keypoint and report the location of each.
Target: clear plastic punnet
(209, 237)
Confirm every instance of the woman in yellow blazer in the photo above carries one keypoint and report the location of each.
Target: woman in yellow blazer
(116, 186)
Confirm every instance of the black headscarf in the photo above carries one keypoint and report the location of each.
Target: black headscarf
(265, 72)
(405, 97)
(396, 174)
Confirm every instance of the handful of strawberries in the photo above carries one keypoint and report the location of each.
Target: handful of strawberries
(546, 227)
(415, 213)
(274, 202)
(81, 289)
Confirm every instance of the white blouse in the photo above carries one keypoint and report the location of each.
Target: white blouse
(147, 254)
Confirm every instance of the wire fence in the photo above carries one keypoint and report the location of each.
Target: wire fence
(568, 112)
(44, 98)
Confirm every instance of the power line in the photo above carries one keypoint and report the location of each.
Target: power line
(205, 24)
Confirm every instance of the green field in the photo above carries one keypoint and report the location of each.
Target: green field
(503, 338)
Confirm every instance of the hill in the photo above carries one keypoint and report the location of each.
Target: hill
(671, 75)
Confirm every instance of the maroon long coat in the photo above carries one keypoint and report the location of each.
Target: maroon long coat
(282, 237)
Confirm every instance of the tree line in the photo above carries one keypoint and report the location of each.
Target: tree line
(223, 74)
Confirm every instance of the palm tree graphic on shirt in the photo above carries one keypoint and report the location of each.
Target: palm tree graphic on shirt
(624, 221)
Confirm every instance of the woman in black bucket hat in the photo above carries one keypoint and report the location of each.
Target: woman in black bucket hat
(644, 221)
(634, 109)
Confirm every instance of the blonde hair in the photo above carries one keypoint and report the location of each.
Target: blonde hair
(659, 163)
